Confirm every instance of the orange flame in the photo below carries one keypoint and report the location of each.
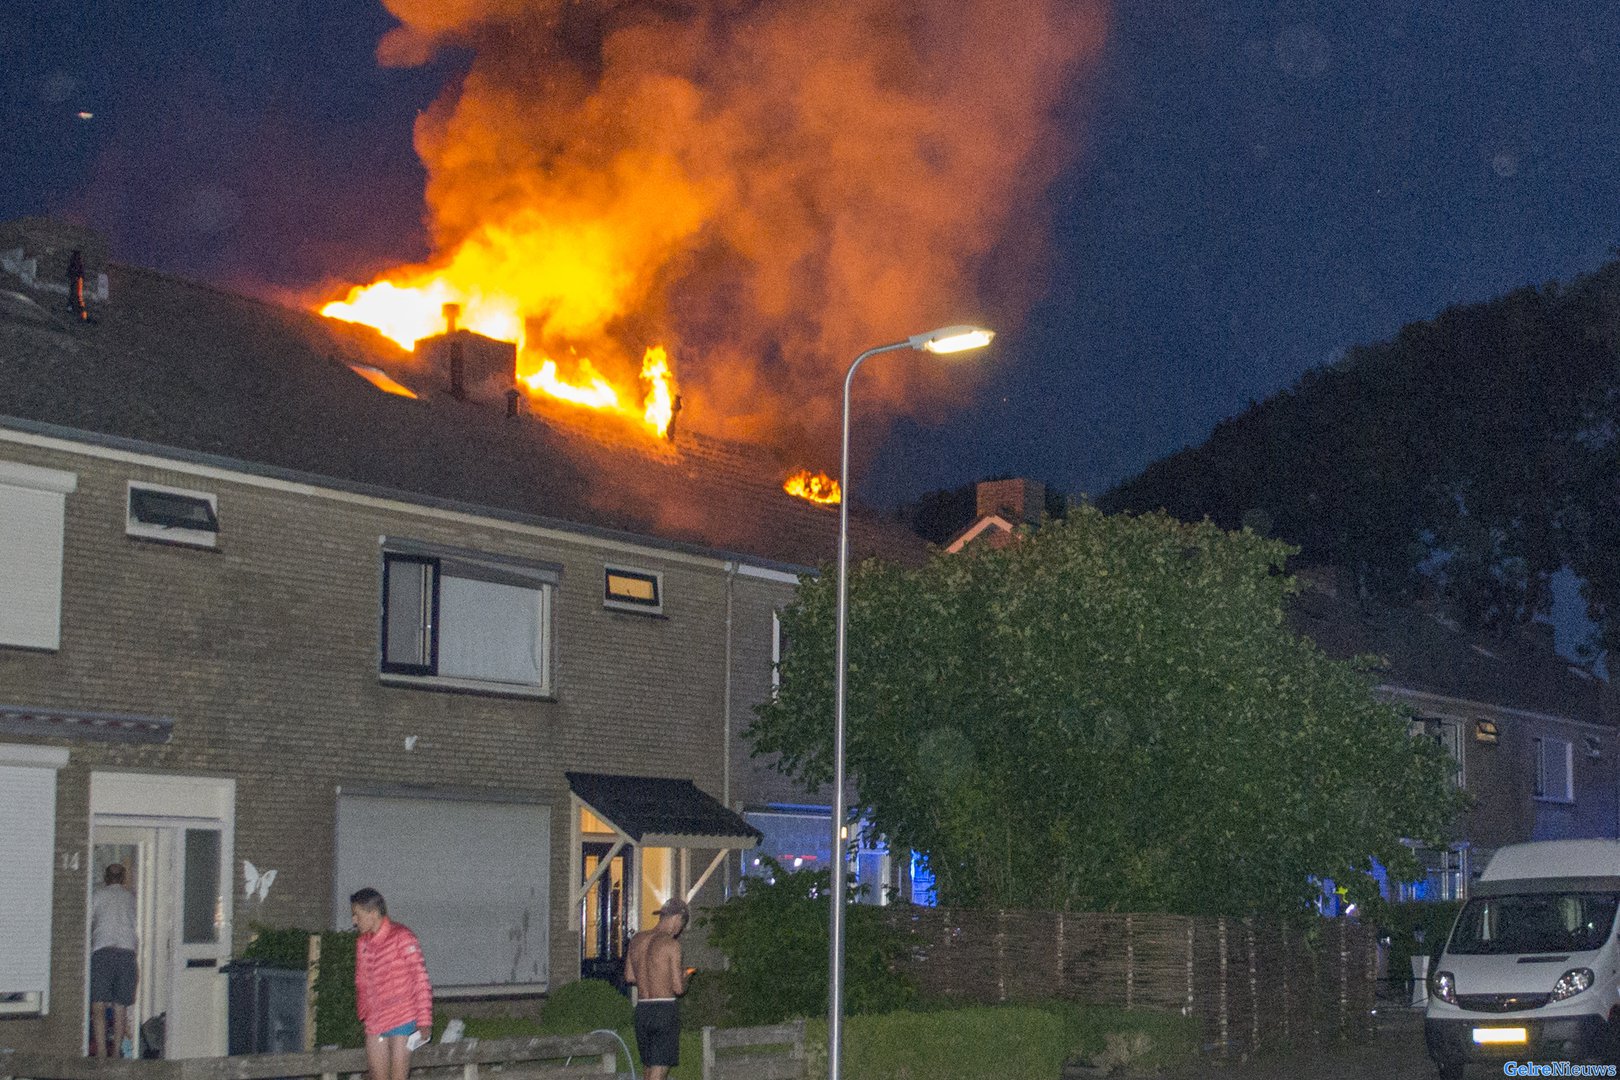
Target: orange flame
(594, 392)
(659, 412)
(817, 487)
(410, 312)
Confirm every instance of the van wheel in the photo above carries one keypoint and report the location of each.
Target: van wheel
(1450, 1070)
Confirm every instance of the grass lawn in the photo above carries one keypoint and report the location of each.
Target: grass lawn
(970, 1043)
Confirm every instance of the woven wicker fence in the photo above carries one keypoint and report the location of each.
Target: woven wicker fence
(1253, 985)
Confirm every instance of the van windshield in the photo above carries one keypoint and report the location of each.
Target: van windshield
(1534, 923)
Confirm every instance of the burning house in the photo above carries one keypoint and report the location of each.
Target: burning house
(286, 610)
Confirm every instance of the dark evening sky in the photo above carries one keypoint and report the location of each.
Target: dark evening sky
(1256, 186)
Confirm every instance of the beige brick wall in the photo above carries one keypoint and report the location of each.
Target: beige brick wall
(265, 654)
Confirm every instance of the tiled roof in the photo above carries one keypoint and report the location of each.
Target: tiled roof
(662, 809)
(1423, 652)
(188, 370)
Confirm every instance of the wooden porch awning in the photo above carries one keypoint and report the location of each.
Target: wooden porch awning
(656, 811)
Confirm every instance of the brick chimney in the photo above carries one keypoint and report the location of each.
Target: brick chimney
(470, 365)
(1019, 501)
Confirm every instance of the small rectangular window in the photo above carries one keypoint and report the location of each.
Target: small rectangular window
(1554, 772)
(21, 1003)
(633, 590)
(173, 515)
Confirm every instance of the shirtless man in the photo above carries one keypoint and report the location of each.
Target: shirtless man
(652, 964)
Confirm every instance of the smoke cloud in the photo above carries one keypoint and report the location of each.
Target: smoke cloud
(766, 187)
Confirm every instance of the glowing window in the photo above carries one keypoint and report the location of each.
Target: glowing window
(382, 380)
(590, 823)
(633, 590)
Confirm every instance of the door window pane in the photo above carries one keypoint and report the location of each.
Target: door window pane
(201, 915)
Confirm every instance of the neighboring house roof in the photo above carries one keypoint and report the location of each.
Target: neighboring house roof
(1423, 652)
(180, 369)
(663, 811)
(980, 532)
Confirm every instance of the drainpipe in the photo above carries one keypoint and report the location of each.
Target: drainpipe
(725, 742)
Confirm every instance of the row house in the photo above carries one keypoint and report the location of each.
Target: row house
(1533, 736)
(286, 611)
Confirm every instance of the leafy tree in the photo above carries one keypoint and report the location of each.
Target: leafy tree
(1112, 714)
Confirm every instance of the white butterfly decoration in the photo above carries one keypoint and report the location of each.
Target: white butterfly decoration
(254, 880)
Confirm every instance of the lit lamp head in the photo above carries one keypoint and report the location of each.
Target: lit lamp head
(952, 339)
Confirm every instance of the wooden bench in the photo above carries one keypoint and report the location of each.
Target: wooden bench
(771, 1052)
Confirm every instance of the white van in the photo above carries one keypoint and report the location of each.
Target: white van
(1531, 971)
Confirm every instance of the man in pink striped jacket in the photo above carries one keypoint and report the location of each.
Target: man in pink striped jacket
(391, 990)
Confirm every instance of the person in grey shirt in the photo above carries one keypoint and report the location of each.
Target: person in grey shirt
(113, 971)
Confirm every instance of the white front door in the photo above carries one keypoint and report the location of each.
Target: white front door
(203, 944)
(178, 864)
(177, 873)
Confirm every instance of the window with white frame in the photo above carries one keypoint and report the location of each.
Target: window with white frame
(462, 620)
(1442, 878)
(1555, 778)
(172, 515)
(33, 509)
(27, 850)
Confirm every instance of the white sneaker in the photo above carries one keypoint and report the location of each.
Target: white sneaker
(126, 1048)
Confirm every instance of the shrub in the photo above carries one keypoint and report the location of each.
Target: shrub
(1414, 928)
(585, 1005)
(775, 936)
(278, 947)
(708, 1001)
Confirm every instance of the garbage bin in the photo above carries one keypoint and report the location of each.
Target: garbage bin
(265, 1008)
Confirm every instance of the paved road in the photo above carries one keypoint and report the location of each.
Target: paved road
(1395, 1053)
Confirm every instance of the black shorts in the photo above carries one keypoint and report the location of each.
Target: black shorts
(113, 976)
(658, 1032)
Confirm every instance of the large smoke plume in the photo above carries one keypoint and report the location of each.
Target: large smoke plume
(768, 186)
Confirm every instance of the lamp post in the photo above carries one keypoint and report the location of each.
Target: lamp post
(948, 339)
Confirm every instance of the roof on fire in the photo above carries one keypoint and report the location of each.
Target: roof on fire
(185, 370)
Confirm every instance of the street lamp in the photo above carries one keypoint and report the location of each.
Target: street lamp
(947, 339)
